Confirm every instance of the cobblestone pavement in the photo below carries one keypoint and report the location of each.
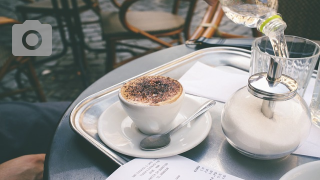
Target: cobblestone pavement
(58, 77)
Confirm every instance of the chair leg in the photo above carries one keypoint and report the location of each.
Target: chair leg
(179, 38)
(33, 78)
(24, 16)
(78, 51)
(111, 54)
(3, 69)
(17, 77)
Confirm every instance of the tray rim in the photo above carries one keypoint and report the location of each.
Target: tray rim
(120, 160)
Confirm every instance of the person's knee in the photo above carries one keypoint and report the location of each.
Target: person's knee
(27, 128)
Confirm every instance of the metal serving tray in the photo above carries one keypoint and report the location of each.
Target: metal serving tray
(214, 151)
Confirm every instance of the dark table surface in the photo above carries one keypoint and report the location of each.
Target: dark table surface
(71, 156)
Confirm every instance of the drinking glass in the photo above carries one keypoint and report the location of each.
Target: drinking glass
(303, 56)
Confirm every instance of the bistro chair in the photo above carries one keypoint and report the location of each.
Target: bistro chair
(152, 25)
(126, 24)
(67, 14)
(8, 63)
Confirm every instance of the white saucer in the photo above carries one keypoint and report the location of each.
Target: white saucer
(118, 131)
(308, 171)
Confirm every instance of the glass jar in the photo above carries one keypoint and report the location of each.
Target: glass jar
(249, 131)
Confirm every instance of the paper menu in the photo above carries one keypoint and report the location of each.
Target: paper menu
(170, 168)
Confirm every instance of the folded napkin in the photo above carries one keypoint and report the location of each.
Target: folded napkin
(214, 83)
(219, 83)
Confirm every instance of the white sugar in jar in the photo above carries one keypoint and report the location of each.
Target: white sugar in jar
(257, 136)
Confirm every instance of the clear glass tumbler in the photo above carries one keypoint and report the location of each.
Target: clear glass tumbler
(303, 56)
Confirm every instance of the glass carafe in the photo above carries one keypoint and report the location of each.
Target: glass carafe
(253, 134)
(267, 119)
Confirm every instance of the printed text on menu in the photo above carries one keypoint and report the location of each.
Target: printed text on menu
(171, 168)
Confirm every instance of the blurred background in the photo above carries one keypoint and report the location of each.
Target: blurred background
(59, 77)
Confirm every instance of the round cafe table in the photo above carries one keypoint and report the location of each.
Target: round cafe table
(72, 157)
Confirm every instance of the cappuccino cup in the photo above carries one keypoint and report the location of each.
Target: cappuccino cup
(152, 102)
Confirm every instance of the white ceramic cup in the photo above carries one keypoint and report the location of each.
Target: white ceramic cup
(152, 119)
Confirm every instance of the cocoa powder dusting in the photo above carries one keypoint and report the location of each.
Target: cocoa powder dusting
(151, 89)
